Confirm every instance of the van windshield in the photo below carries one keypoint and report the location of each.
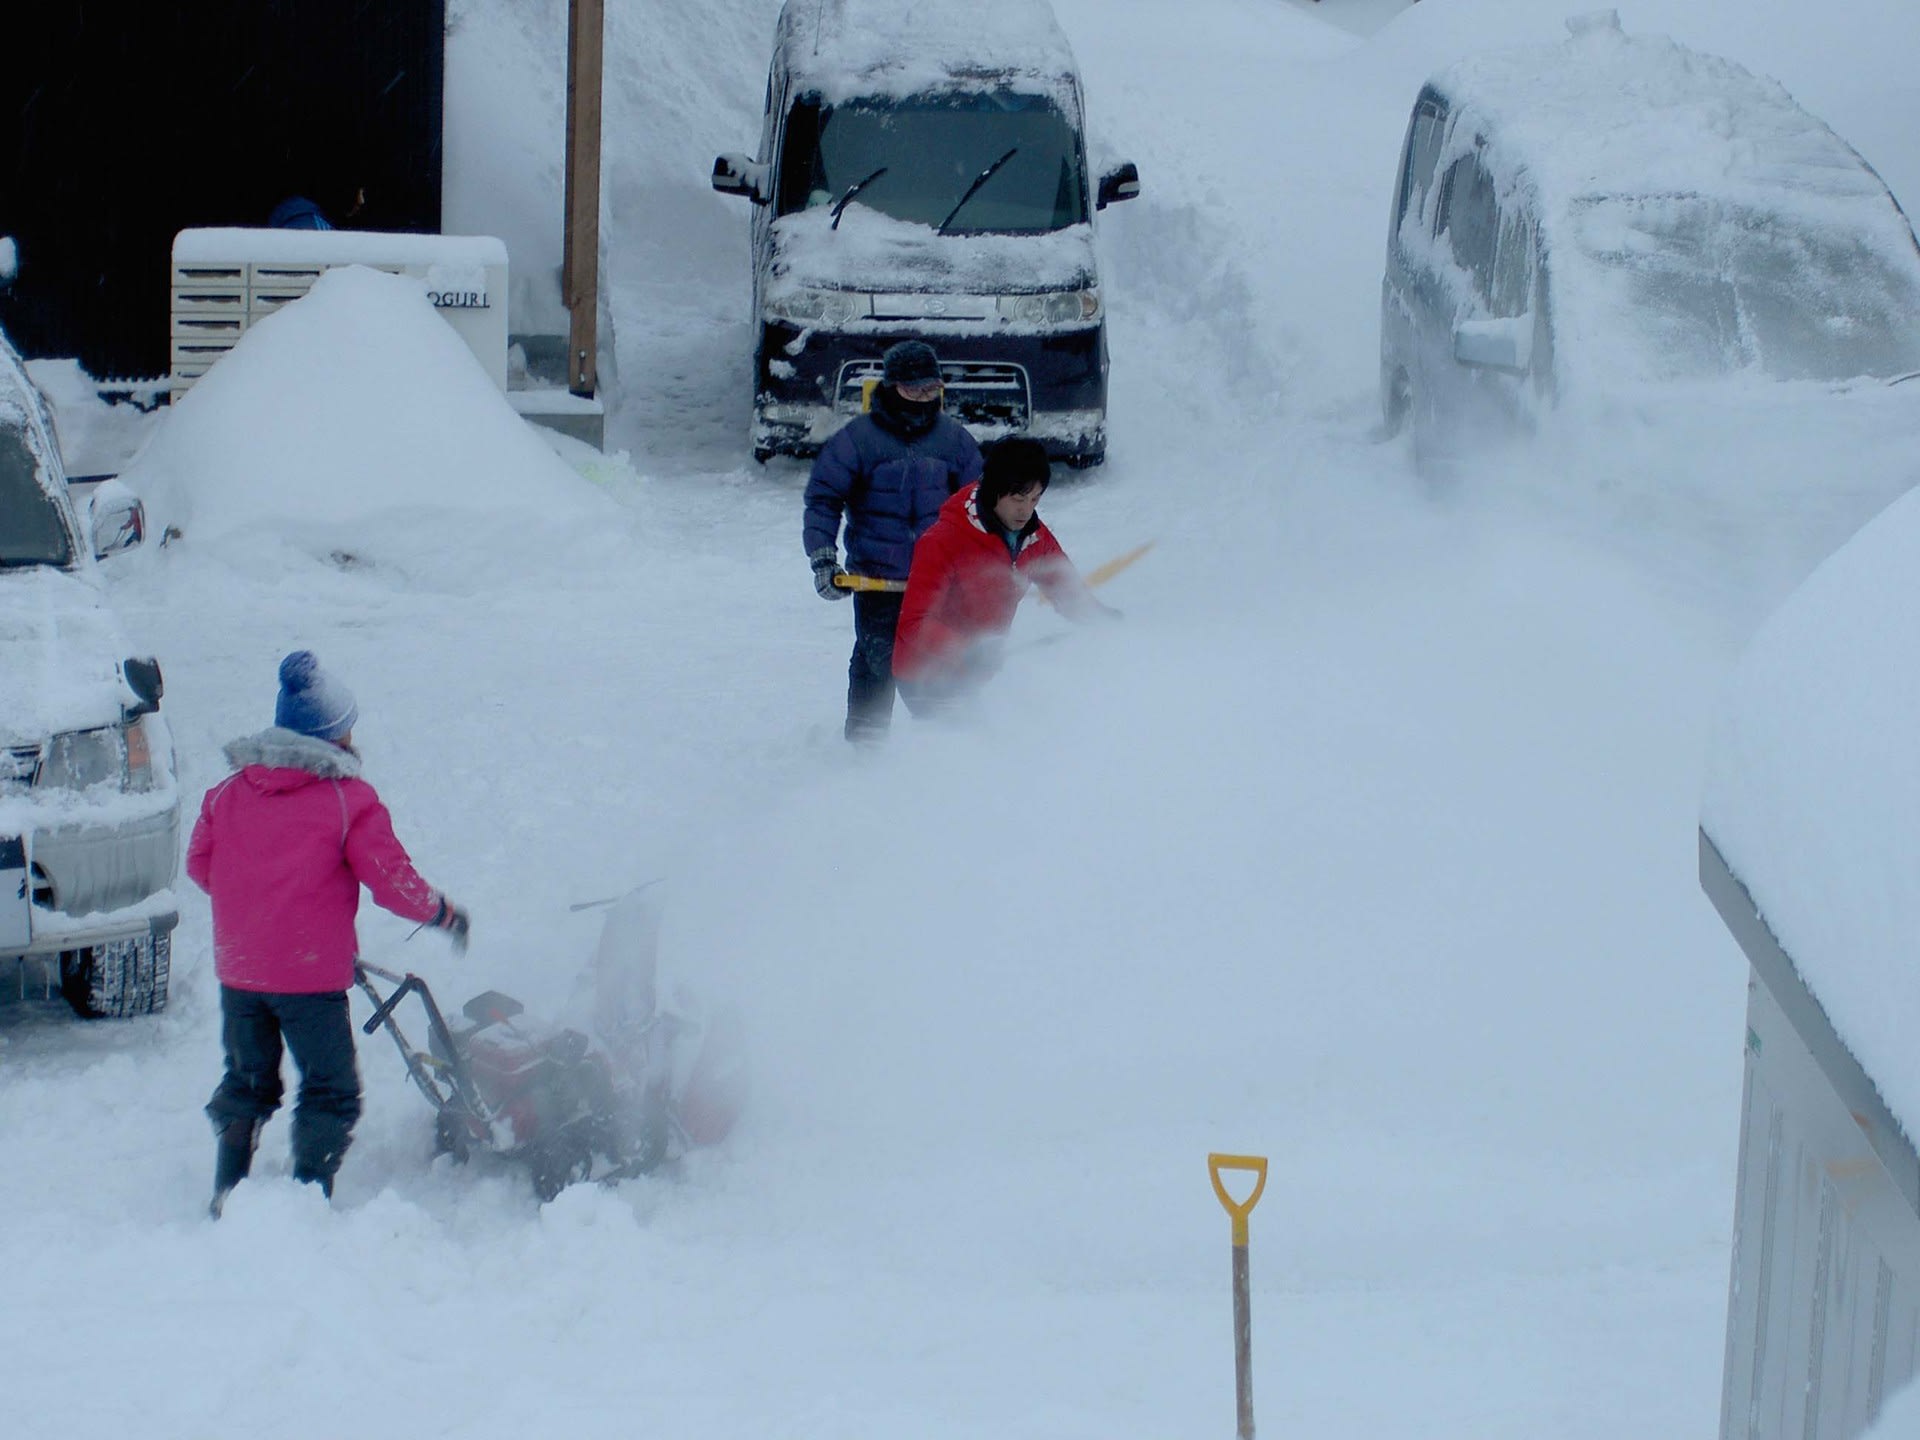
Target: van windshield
(31, 530)
(933, 148)
(1713, 287)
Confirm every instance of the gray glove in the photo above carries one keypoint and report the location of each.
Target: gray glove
(826, 565)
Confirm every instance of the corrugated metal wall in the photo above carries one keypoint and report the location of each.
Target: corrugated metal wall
(1823, 1311)
(120, 125)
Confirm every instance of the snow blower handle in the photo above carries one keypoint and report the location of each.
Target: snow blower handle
(385, 1008)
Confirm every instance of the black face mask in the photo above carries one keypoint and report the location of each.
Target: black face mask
(905, 418)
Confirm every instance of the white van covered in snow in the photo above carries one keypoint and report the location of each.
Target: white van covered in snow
(1618, 210)
(922, 174)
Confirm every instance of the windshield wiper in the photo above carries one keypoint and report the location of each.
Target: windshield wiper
(973, 189)
(846, 196)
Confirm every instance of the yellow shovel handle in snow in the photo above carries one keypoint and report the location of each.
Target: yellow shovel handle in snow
(844, 581)
(1242, 1281)
(1238, 1209)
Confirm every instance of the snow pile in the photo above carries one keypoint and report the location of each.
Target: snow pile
(1814, 789)
(355, 423)
(1900, 1419)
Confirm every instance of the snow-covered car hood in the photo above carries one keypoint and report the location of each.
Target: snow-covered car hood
(60, 653)
(877, 253)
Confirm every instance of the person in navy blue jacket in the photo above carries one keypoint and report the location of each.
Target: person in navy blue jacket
(887, 473)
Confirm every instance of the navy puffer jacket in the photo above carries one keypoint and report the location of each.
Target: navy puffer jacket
(889, 488)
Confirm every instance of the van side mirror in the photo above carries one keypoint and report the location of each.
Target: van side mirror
(737, 175)
(1120, 183)
(115, 518)
(1495, 344)
(146, 682)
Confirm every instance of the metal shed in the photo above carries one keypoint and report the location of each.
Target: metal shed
(1823, 1313)
(121, 125)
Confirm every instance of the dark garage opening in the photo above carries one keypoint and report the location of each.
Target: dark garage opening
(123, 124)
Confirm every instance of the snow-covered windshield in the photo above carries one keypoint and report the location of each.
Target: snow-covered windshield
(1712, 287)
(933, 148)
(31, 530)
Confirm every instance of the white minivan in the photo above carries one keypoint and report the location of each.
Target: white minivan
(1619, 210)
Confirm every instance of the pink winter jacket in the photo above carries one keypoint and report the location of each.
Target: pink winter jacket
(283, 847)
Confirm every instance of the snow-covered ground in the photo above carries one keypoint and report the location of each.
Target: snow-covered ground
(1367, 843)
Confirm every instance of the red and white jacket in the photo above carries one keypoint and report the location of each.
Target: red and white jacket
(966, 583)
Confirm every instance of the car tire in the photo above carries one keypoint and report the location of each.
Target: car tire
(1396, 404)
(118, 980)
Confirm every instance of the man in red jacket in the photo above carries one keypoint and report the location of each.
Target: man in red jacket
(970, 572)
(283, 846)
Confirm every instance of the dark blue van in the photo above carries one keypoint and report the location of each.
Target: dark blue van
(922, 174)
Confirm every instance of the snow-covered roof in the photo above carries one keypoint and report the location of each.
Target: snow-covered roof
(1813, 793)
(231, 245)
(1608, 113)
(849, 48)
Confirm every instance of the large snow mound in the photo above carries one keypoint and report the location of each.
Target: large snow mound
(1814, 783)
(355, 418)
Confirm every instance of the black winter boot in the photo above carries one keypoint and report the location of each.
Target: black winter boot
(233, 1159)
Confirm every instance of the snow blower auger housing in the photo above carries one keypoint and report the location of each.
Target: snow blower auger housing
(545, 1097)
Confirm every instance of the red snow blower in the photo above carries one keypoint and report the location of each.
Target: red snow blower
(558, 1100)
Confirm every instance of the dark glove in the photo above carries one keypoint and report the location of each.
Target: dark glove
(826, 566)
(454, 921)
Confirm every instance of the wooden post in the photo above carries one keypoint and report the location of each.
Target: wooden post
(580, 265)
(1242, 1299)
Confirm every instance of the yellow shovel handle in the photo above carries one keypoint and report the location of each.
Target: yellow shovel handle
(844, 581)
(1239, 1210)
(1100, 574)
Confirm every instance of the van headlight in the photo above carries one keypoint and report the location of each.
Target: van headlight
(819, 307)
(1052, 307)
(116, 755)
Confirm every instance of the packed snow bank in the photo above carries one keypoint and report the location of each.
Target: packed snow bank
(356, 423)
(1900, 1420)
(1814, 786)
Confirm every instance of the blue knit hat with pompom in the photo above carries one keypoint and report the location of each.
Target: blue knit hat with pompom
(311, 701)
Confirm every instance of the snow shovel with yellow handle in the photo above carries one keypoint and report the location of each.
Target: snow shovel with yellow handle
(1099, 575)
(1239, 1210)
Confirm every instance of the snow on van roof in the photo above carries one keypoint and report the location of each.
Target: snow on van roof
(1607, 113)
(849, 48)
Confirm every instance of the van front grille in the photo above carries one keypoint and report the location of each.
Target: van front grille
(979, 392)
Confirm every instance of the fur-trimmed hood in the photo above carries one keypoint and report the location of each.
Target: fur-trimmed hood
(279, 749)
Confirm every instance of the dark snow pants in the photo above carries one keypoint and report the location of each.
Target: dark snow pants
(876, 614)
(318, 1029)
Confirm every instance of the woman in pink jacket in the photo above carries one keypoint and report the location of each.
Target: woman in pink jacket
(283, 846)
